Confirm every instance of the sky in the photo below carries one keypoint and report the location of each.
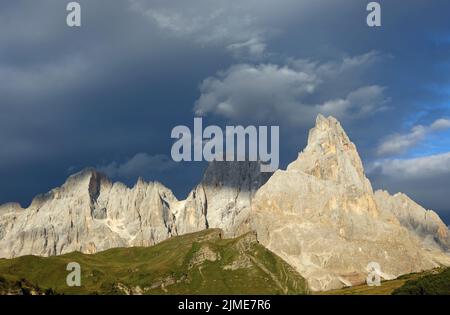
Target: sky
(107, 94)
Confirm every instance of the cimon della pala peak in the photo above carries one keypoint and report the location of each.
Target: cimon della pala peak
(320, 215)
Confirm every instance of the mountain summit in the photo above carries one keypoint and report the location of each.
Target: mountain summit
(330, 155)
(323, 218)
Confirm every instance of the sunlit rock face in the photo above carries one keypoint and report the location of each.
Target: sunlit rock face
(322, 217)
(88, 213)
(330, 155)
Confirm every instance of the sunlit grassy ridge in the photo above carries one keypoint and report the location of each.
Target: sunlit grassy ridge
(198, 263)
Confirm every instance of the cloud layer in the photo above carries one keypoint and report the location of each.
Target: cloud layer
(400, 143)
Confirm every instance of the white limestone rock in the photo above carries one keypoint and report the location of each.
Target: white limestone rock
(321, 216)
(88, 214)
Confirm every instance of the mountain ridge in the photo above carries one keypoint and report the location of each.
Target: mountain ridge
(322, 195)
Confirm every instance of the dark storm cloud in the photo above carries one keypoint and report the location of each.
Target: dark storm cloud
(292, 93)
(102, 94)
(88, 96)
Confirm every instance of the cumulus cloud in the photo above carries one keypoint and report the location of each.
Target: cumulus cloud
(287, 93)
(139, 165)
(400, 143)
(440, 124)
(414, 168)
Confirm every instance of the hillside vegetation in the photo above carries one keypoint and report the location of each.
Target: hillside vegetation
(432, 284)
(435, 281)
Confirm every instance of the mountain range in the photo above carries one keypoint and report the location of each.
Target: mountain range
(320, 215)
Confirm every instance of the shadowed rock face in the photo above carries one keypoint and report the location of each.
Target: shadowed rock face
(322, 217)
(223, 197)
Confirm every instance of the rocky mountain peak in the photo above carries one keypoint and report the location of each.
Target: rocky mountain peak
(330, 155)
(84, 175)
(88, 181)
(328, 131)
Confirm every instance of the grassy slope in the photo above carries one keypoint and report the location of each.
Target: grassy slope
(165, 268)
(431, 284)
(387, 287)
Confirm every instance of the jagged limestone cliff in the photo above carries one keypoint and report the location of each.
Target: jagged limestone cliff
(89, 213)
(322, 217)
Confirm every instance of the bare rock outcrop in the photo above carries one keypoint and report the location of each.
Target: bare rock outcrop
(425, 224)
(322, 217)
(222, 199)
